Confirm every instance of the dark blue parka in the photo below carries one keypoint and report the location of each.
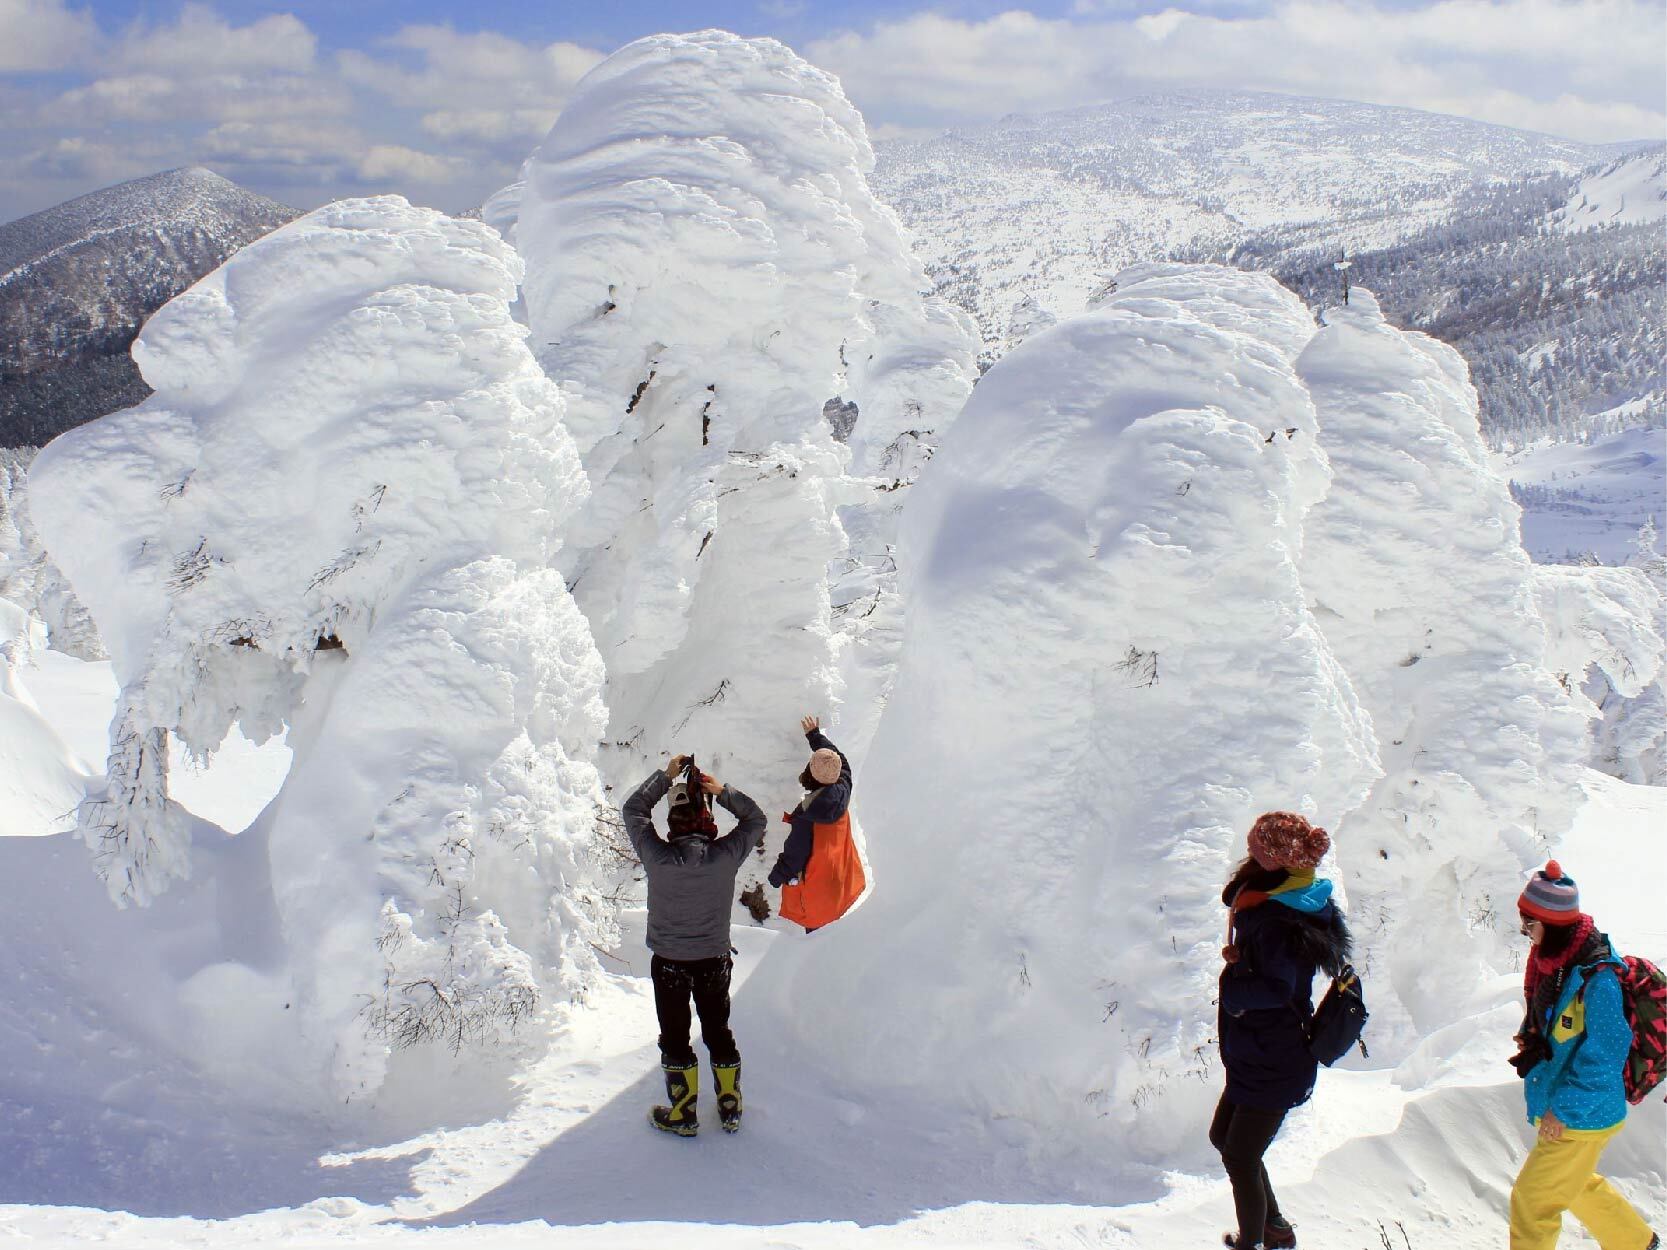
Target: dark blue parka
(1267, 997)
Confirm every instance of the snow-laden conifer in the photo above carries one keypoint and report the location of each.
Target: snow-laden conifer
(1417, 574)
(338, 516)
(1109, 669)
(753, 377)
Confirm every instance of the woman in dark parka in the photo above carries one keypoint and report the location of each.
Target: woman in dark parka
(1282, 929)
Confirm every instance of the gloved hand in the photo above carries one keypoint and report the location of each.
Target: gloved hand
(781, 874)
(1532, 1051)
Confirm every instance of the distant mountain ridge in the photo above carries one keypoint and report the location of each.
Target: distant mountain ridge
(1045, 206)
(78, 280)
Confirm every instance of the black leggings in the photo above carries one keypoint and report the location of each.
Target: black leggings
(707, 982)
(1242, 1135)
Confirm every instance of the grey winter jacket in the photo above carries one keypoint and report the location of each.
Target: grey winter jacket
(691, 881)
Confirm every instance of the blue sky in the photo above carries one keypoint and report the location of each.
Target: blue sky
(440, 101)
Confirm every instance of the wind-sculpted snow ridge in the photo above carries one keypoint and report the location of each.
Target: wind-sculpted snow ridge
(753, 378)
(1109, 670)
(338, 514)
(1417, 573)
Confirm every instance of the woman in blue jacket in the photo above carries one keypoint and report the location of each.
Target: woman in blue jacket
(1571, 1051)
(1283, 928)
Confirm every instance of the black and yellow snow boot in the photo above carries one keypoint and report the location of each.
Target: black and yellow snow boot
(727, 1077)
(682, 1085)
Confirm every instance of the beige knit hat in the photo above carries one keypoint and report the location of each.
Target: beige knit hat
(825, 767)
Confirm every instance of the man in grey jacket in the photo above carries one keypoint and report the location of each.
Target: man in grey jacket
(691, 892)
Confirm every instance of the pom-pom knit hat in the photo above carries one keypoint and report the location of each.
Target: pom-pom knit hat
(1551, 897)
(1287, 840)
(824, 767)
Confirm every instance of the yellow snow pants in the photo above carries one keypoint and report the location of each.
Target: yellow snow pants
(1562, 1176)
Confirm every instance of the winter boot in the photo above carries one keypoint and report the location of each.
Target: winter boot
(1277, 1234)
(727, 1077)
(1232, 1242)
(682, 1085)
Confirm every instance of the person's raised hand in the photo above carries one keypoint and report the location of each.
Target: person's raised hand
(809, 724)
(711, 784)
(677, 765)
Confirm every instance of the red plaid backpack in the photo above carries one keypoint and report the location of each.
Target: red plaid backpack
(1644, 998)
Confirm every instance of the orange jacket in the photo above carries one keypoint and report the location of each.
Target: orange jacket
(831, 881)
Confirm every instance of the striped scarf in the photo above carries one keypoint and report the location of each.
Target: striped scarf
(1246, 898)
(1544, 977)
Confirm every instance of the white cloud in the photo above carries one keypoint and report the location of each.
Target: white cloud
(201, 69)
(201, 39)
(200, 98)
(1587, 69)
(389, 162)
(525, 126)
(39, 35)
(484, 92)
(82, 159)
(482, 70)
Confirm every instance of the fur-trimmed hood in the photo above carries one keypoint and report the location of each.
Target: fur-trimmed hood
(1320, 937)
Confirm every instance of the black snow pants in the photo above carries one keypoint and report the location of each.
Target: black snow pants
(707, 982)
(1243, 1135)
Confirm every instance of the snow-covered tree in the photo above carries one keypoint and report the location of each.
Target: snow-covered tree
(1417, 575)
(1109, 669)
(339, 515)
(1605, 634)
(28, 578)
(753, 377)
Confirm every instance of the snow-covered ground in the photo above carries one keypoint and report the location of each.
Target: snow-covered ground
(1591, 499)
(1630, 191)
(110, 1142)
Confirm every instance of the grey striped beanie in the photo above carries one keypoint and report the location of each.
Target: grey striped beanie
(1551, 897)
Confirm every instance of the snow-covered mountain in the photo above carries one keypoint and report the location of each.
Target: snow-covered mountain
(1565, 332)
(1048, 206)
(1630, 191)
(78, 280)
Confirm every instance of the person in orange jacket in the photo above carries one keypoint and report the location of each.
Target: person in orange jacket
(819, 872)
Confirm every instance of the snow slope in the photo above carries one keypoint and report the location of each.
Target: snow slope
(753, 379)
(1590, 498)
(337, 516)
(1629, 191)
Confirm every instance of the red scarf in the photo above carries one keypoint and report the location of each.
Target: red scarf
(1541, 967)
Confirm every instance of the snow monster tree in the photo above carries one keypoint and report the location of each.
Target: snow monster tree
(754, 379)
(338, 515)
(1109, 669)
